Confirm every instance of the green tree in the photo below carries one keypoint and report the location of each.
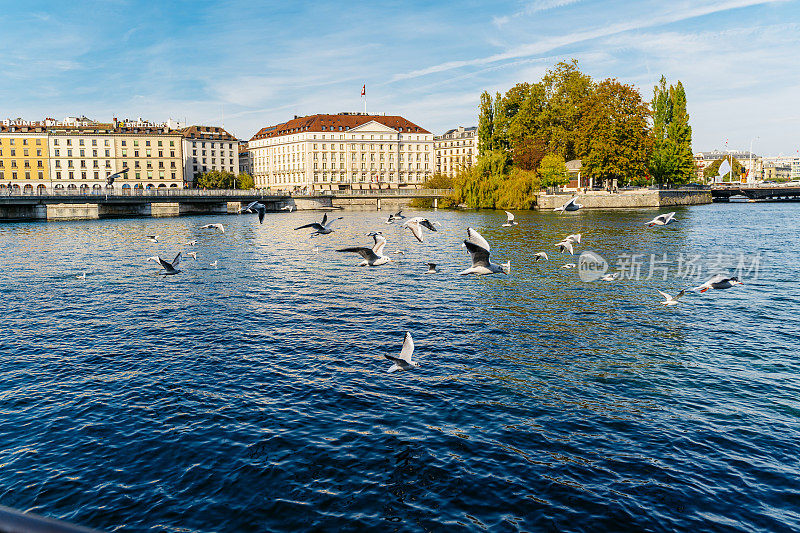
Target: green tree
(614, 136)
(518, 191)
(245, 181)
(485, 124)
(553, 171)
(671, 159)
(221, 179)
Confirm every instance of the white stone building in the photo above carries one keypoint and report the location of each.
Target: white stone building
(207, 148)
(82, 156)
(341, 152)
(456, 149)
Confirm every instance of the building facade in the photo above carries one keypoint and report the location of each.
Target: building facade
(245, 165)
(24, 164)
(341, 152)
(82, 156)
(208, 148)
(153, 155)
(456, 150)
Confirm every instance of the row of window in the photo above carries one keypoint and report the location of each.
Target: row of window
(12, 141)
(202, 144)
(136, 175)
(27, 163)
(24, 152)
(15, 176)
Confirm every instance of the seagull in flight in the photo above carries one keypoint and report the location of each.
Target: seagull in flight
(572, 205)
(397, 216)
(669, 299)
(565, 246)
(662, 220)
(720, 281)
(477, 246)
(82, 275)
(217, 225)
(510, 222)
(321, 229)
(258, 207)
(193, 255)
(416, 224)
(214, 264)
(170, 268)
(432, 268)
(541, 256)
(573, 238)
(610, 276)
(152, 238)
(190, 243)
(569, 265)
(403, 362)
(372, 256)
(289, 208)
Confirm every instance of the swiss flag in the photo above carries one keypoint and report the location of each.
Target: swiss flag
(364, 90)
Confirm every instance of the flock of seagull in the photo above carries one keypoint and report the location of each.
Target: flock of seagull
(476, 245)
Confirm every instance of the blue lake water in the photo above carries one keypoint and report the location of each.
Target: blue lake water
(254, 396)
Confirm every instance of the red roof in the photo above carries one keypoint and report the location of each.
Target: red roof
(207, 132)
(340, 122)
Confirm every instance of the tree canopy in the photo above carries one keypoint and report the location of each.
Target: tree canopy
(535, 127)
(220, 179)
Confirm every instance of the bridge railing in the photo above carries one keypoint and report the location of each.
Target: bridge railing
(51, 192)
(387, 192)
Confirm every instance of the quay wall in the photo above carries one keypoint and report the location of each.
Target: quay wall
(627, 199)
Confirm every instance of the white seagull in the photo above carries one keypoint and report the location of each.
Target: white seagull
(214, 264)
(477, 246)
(372, 256)
(152, 238)
(669, 299)
(569, 265)
(217, 225)
(572, 205)
(170, 268)
(541, 256)
(573, 238)
(397, 216)
(257, 207)
(82, 275)
(720, 281)
(289, 208)
(416, 224)
(432, 268)
(193, 255)
(321, 229)
(610, 276)
(662, 220)
(510, 222)
(190, 243)
(403, 362)
(565, 246)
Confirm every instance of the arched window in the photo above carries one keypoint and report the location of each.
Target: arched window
(59, 186)
(72, 186)
(41, 189)
(174, 186)
(162, 186)
(28, 189)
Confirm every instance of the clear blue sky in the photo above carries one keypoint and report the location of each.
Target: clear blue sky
(427, 61)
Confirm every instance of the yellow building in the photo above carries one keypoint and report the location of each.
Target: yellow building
(456, 150)
(23, 156)
(154, 156)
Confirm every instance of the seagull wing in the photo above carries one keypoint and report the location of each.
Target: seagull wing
(380, 242)
(249, 207)
(476, 238)
(408, 348)
(363, 251)
(664, 294)
(207, 226)
(177, 260)
(683, 291)
(480, 255)
(510, 216)
(324, 219)
(316, 225)
(427, 223)
(331, 221)
(413, 225)
(262, 210)
(432, 266)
